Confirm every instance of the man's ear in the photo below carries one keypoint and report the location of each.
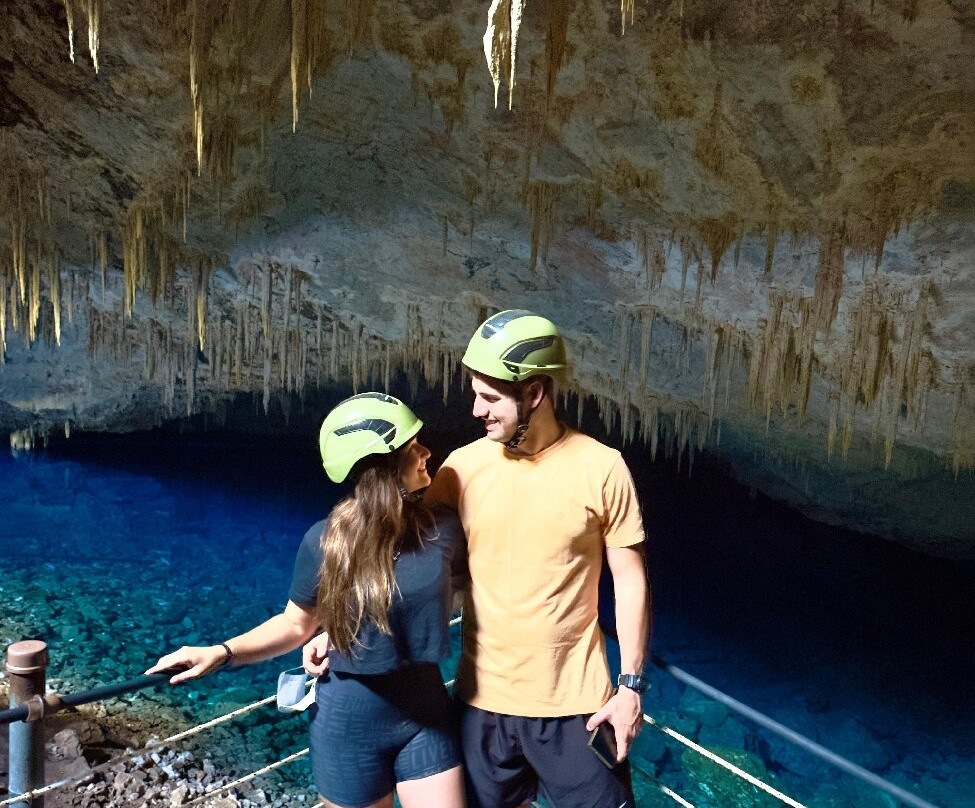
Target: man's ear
(535, 392)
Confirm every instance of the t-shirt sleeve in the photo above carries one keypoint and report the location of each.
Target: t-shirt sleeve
(623, 522)
(304, 579)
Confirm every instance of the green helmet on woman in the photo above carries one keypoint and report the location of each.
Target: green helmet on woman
(369, 423)
(514, 345)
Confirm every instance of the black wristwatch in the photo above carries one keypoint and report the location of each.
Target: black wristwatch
(634, 681)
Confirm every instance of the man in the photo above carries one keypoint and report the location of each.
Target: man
(540, 503)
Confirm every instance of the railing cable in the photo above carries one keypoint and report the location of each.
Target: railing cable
(246, 778)
(667, 791)
(724, 763)
(794, 737)
(129, 755)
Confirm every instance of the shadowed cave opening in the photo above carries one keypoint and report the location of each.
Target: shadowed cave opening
(856, 642)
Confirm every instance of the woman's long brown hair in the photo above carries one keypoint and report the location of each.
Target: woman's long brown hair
(365, 531)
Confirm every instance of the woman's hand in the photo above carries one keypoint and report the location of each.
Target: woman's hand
(197, 661)
(314, 655)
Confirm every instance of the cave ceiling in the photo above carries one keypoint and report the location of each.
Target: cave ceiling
(753, 221)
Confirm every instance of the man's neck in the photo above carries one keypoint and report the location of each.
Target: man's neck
(544, 430)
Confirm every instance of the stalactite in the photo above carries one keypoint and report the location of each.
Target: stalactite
(717, 233)
(712, 370)
(71, 295)
(183, 199)
(23, 440)
(288, 275)
(557, 12)
(220, 148)
(34, 295)
(189, 352)
(624, 349)
(687, 253)
(699, 285)
(501, 43)
(648, 316)
(18, 238)
(771, 230)
(134, 255)
(963, 422)
(543, 198)
(93, 9)
(54, 290)
(151, 365)
(3, 314)
(333, 356)
(69, 12)
(201, 287)
(651, 255)
(197, 61)
(626, 7)
(267, 283)
(240, 337)
(299, 46)
(309, 43)
(829, 277)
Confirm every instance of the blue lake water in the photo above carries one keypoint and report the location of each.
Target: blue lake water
(118, 552)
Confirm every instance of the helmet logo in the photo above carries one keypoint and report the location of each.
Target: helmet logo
(385, 429)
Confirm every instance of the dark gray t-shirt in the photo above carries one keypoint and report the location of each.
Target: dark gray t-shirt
(421, 608)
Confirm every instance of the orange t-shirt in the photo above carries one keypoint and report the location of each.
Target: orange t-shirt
(536, 528)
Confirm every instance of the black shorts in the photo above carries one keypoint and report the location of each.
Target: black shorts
(369, 733)
(510, 760)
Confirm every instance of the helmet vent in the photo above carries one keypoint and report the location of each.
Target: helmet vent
(378, 396)
(496, 323)
(518, 352)
(385, 429)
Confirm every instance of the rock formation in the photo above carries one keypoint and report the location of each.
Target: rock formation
(753, 221)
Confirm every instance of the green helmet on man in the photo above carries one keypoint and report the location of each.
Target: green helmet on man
(365, 424)
(514, 345)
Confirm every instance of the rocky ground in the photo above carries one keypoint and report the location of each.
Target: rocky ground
(85, 742)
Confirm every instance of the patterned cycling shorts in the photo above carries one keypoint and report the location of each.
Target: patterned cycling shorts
(370, 732)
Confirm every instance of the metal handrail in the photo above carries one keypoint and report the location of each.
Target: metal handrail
(50, 703)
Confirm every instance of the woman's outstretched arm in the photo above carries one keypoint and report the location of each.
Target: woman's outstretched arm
(282, 633)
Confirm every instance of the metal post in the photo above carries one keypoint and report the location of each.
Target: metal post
(27, 667)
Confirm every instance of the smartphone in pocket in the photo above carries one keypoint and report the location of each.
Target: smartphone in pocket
(602, 742)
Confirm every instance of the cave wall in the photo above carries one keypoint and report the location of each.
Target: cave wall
(753, 221)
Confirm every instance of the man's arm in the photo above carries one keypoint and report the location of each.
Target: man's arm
(632, 592)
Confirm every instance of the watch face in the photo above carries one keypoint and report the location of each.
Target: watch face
(633, 681)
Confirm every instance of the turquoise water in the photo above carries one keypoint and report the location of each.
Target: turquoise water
(117, 553)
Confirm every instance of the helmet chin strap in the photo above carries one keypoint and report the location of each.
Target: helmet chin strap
(408, 496)
(519, 437)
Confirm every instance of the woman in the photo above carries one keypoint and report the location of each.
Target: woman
(376, 577)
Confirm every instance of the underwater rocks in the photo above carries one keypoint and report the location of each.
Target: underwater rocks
(92, 643)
